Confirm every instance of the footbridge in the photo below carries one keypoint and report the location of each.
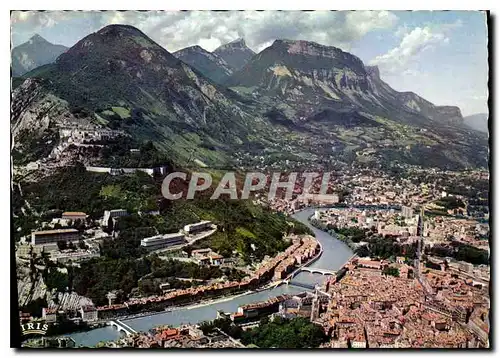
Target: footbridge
(120, 326)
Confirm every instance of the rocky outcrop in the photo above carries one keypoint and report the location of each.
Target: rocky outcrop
(310, 77)
(235, 53)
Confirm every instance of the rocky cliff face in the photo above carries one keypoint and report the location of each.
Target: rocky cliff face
(34, 53)
(36, 117)
(412, 102)
(305, 75)
(235, 53)
(34, 110)
(209, 64)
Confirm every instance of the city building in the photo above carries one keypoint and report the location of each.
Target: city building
(89, 313)
(162, 241)
(207, 257)
(200, 253)
(406, 212)
(49, 314)
(110, 214)
(74, 215)
(197, 227)
(319, 198)
(53, 236)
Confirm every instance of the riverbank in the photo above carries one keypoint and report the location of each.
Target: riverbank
(268, 285)
(188, 306)
(335, 255)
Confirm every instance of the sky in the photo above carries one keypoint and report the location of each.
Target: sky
(440, 55)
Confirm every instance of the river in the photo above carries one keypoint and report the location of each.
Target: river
(335, 254)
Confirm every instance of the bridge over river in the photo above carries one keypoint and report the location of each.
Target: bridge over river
(120, 326)
(320, 271)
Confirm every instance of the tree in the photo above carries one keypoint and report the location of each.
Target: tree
(62, 245)
(283, 333)
(391, 271)
(362, 251)
(56, 279)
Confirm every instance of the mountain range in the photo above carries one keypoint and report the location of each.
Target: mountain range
(298, 102)
(34, 53)
(220, 64)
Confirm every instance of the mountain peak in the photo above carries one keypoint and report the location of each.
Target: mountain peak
(236, 53)
(34, 53)
(239, 41)
(194, 48)
(120, 30)
(309, 54)
(121, 46)
(37, 38)
(302, 46)
(238, 44)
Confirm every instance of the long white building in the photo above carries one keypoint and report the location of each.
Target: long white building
(162, 241)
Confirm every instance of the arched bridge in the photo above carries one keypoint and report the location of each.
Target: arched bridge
(120, 326)
(318, 270)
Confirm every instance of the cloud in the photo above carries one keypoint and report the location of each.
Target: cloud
(412, 45)
(178, 29)
(38, 19)
(363, 22)
(412, 73)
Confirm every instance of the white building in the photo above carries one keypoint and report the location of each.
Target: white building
(74, 215)
(358, 343)
(110, 214)
(193, 228)
(89, 313)
(33, 166)
(162, 241)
